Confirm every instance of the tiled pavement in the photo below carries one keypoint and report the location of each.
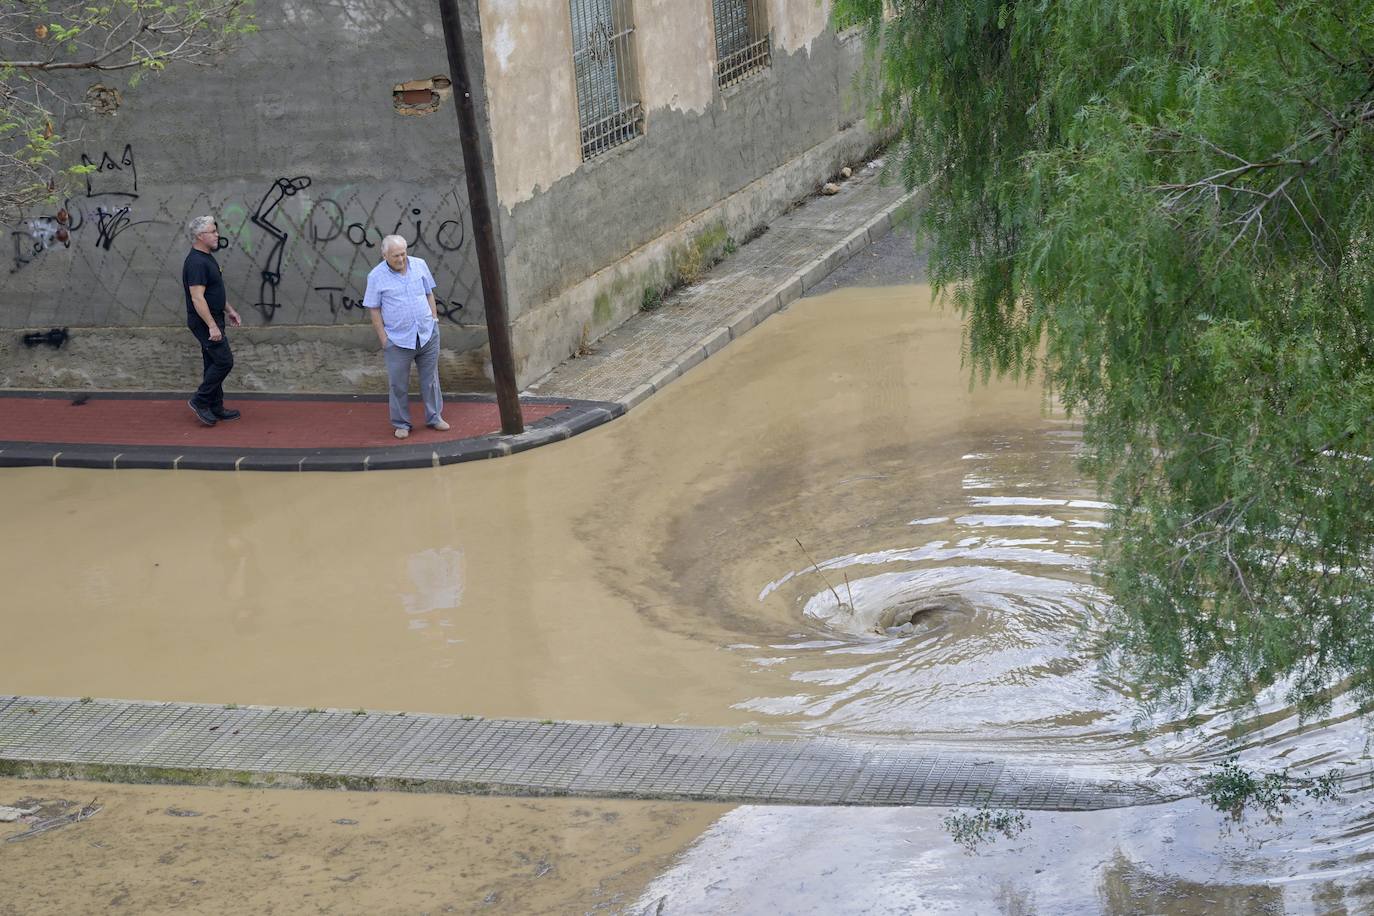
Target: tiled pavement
(123, 430)
(301, 423)
(228, 745)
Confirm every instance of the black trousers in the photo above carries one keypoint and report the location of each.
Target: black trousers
(217, 360)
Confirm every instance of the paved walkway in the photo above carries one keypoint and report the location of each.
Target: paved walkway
(797, 252)
(122, 430)
(318, 433)
(198, 744)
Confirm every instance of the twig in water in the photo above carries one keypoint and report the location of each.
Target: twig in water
(53, 823)
(817, 566)
(848, 591)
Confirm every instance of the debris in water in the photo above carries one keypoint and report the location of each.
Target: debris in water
(8, 814)
(52, 823)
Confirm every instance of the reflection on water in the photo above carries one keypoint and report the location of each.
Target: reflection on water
(1178, 859)
(650, 571)
(437, 574)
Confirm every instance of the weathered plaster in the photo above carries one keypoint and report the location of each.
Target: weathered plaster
(546, 335)
(301, 359)
(580, 253)
(798, 23)
(532, 94)
(677, 50)
(533, 91)
(684, 164)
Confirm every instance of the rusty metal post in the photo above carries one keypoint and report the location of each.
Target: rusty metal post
(488, 258)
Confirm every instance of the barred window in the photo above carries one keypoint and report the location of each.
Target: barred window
(608, 105)
(742, 43)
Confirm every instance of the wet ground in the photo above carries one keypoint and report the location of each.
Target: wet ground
(650, 571)
(179, 849)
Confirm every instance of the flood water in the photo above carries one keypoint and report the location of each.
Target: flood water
(651, 571)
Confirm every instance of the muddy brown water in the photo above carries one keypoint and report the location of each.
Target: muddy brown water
(602, 578)
(649, 571)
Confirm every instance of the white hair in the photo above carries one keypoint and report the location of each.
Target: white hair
(199, 224)
(393, 242)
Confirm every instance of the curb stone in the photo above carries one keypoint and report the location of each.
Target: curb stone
(577, 417)
(204, 744)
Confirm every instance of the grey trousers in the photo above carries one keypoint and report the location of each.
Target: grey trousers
(426, 360)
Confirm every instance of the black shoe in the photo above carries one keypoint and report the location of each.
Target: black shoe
(226, 413)
(202, 414)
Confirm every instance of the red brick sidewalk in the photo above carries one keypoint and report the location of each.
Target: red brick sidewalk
(274, 422)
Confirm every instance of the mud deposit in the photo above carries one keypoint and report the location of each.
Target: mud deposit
(177, 850)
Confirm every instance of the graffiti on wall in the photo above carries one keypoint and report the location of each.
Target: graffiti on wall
(328, 223)
(341, 235)
(101, 180)
(35, 236)
(110, 178)
(326, 219)
(297, 250)
(262, 217)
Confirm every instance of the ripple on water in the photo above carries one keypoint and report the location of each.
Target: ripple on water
(984, 632)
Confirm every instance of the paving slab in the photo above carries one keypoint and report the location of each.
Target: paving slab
(131, 741)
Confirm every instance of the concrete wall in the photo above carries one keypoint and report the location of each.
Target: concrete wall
(294, 144)
(584, 240)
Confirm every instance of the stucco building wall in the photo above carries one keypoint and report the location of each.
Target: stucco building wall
(294, 144)
(585, 240)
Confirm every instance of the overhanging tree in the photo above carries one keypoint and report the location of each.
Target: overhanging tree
(48, 46)
(1165, 208)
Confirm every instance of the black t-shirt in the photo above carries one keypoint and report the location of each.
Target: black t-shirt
(201, 269)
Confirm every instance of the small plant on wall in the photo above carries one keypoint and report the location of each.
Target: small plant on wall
(652, 299)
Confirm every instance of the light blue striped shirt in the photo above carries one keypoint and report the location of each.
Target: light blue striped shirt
(406, 315)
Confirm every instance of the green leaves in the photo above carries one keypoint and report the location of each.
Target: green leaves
(48, 47)
(1166, 209)
(1230, 788)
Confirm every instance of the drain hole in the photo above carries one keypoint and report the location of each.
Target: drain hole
(922, 615)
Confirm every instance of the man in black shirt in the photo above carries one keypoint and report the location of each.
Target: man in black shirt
(206, 310)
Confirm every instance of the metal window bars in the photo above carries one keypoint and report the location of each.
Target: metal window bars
(742, 41)
(608, 107)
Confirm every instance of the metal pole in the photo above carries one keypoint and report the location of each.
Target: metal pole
(488, 258)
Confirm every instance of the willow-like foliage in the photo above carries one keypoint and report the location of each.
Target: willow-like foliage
(1165, 209)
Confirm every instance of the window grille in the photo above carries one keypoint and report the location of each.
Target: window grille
(608, 105)
(742, 43)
